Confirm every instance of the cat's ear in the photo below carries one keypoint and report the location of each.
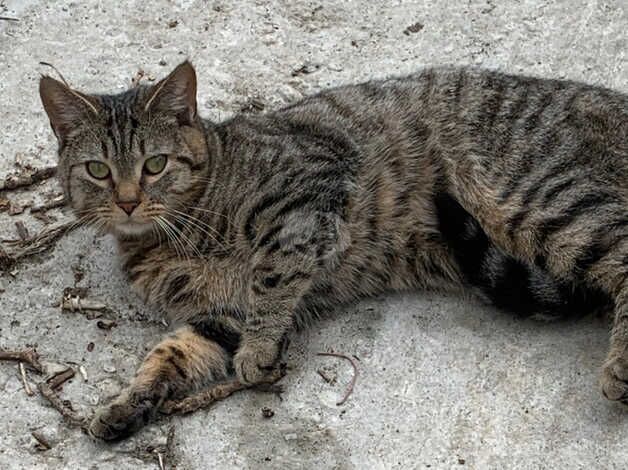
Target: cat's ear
(67, 109)
(175, 95)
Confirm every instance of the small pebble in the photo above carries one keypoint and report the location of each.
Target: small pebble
(267, 412)
(109, 368)
(83, 372)
(90, 347)
(291, 436)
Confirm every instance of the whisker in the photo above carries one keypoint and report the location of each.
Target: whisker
(185, 238)
(168, 232)
(198, 224)
(178, 237)
(197, 220)
(201, 209)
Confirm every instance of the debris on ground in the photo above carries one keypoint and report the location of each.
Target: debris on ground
(326, 377)
(267, 412)
(352, 360)
(217, 392)
(43, 241)
(413, 28)
(42, 443)
(305, 69)
(22, 231)
(27, 178)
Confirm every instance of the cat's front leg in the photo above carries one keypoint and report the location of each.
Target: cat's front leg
(178, 364)
(265, 333)
(282, 271)
(614, 378)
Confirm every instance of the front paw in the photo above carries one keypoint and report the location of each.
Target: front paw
(614, 379)
(121, 418)
(253, 362)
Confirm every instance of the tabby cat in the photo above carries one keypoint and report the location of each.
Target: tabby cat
(515, 187)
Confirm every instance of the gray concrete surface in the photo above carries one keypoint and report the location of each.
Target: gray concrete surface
(444, 382)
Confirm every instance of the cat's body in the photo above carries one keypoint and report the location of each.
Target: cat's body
(515, 187)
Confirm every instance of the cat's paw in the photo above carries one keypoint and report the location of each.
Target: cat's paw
(121, 418)
(614, 379)
(253, 362)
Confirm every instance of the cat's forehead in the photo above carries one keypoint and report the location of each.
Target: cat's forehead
(120, 128)
(125, 105)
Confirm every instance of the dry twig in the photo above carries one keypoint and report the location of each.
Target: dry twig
(71, 416)
(28, 179)
(47, 388)
(42, 441)
(8, 18)
(58, 201)
(60, 378)
(22, 231)
(74, 303)
(353, 379)
(215, 393)
(29, 356)
(44, 240)
(27, 387)
(165, 454)
(325, 377)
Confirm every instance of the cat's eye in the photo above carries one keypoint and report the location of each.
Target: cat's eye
(98, 170)
(156, 164)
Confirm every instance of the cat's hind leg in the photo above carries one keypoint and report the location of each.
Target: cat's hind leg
(180, 363)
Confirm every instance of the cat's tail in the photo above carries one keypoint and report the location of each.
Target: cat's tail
(506, 282)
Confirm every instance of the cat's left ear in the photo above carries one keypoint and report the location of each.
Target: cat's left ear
(175, 95)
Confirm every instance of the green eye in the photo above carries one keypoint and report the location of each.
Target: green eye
(98, 170)
(155, 165)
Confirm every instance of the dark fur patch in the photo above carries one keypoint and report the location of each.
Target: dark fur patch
(218, 332)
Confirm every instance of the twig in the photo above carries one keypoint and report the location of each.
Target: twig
(60, 378)
(71, 416)
(47, 388)
(74, 303)
(325, 377)
(22, 231)
(39, 243)
(43, 442)
(20, 181)
(8, 18)
(29, 356)
(215, 393)
(27, 387)
(58, 201)
(353, 379)
(165, 453)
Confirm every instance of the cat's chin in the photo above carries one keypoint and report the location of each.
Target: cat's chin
(131, 230)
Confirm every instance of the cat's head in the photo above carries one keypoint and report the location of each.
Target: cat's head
(129, 161)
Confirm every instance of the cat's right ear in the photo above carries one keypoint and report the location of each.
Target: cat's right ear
(67, 109)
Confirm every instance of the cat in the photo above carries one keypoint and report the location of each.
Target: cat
(512, 186)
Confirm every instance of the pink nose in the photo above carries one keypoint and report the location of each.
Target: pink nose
(128, 207)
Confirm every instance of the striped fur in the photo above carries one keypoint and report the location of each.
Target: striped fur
(513, 186)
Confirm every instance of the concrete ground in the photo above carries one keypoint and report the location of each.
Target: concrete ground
(444, 382)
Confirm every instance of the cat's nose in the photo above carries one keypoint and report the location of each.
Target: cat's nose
(128, 206)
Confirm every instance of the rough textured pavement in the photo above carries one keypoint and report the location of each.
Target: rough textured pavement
(444, 382)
